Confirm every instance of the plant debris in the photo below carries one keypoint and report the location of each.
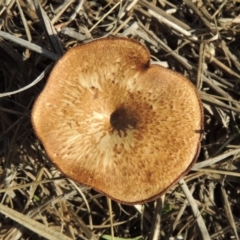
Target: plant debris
(199, 39)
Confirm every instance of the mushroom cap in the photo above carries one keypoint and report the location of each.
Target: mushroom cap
(110, 120)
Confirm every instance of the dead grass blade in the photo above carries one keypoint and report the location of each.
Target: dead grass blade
(29, 45)
(229, 213)
(215, 160)
(50, 31)
(37, 80)
(196, 213)
(33, 225)
(156, 226)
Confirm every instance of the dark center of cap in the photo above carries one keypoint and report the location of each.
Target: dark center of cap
(121, 119)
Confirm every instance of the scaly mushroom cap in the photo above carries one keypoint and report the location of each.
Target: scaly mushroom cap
(110, 120)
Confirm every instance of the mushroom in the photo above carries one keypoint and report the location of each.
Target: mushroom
(110, 120)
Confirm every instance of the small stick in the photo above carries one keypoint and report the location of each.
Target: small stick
(110, 216)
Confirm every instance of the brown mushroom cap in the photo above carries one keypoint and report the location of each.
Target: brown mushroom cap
(110, 120)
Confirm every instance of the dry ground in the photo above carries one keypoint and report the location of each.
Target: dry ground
(200, 39)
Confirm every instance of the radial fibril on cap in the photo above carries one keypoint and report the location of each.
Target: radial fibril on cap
(110, 120)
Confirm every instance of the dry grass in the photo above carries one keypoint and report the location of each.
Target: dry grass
(197, 38)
